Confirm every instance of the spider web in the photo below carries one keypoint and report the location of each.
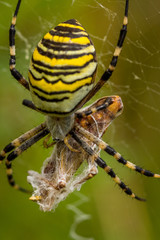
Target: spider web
(136, 133)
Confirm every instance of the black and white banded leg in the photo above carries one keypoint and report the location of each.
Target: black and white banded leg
(101, 163)
(111, 151)
(18, 146)
(107, 74)
(12, 63)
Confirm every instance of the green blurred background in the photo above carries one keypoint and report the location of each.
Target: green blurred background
(135, 134)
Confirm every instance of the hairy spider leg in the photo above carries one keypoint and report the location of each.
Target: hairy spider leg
(19, 150)
(111, 151)
(12, 64)
(101, 163)
(107, 74)
(20, 145)
(21, 139)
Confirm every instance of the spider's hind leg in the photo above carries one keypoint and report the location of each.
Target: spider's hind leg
(15, 73)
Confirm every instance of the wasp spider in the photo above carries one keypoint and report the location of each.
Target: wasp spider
(61, 80)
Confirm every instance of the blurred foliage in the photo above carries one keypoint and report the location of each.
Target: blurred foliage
(135, 134)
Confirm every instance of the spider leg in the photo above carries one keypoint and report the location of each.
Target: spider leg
(12, 62)
(111, 151)
(107, 74)
(66, 141)
(20, 145)
(29, 104)
(46, 140)
(101, 163)
(19, 150)
(18, 141)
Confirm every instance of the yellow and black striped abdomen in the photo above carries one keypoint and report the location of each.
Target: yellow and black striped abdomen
(62, 69)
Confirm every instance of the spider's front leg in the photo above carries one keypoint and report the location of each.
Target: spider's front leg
(15, 73)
